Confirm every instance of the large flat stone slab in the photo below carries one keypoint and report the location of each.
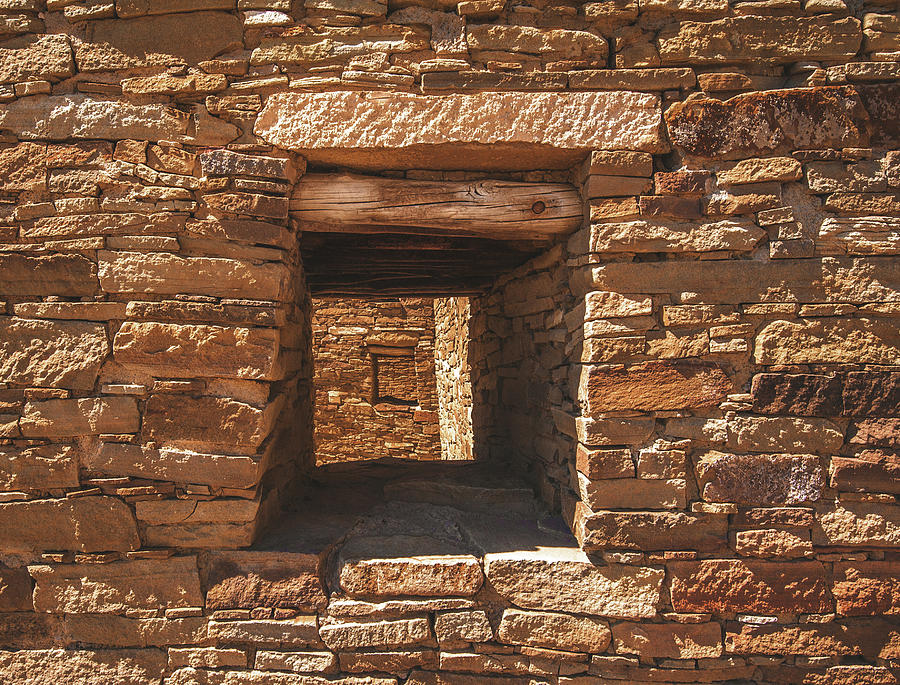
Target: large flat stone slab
(396, 130)
(115, 588)
(84, 524)
(563, 579)
(82, 667)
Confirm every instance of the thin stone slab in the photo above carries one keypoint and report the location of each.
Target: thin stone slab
(396, 130)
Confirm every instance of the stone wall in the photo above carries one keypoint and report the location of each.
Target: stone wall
(375, 385)
(454, 377)
(703, 379)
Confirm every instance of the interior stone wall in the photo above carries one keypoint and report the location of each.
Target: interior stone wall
(454, 377)
(703, 379)
(375, 383)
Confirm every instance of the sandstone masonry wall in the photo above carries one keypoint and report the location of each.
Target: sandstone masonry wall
(375, 384)
(454, 376)
(703, 379)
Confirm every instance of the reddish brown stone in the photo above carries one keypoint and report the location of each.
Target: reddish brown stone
(28, 630)
(882, 101)
(874, 471)
(669, 206)
(872, 393)
(870, 638)
(875, 432)
(669, 640)
(681, 182)
(870, 588)
(58, 274)
(797, 394)
(769, 122)
(760, 478)
(245, 580)
(759, 587)
(797, 517)
(656, 386)
(833, 675)
(15, 589)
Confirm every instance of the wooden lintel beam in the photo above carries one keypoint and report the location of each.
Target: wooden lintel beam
(487, 208)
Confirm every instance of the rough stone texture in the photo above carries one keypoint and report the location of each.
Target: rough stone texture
(399, 633)
(553, 631)
(90, 416)
(174, 350)
(162, 40)
(38, 468)
(749, 587)
(115, 588)
(771, 122)
(45, 57)
(755, 479)
(867, 637)
(85, 524)
(83, 667)
(866, 589)
(167, 274)
(860, 341)
(405, 566)
(15, 589)
(656, 385)
(73, 360)
(652, 530)
(702, 641)
(563, 581)
(23, 276)
(296, 121)
(246, 580)
(754, 38)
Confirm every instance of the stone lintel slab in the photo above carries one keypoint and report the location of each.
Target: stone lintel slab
(381, 130)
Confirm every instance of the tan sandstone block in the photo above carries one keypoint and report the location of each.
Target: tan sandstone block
(867, 588)
(740, 281)
(746, 39)
(84, 524)
(397, 633)
(62, 354)
(208, 423)
(627, 493)
(406, 565)
(118, 631)
(82, 667)
(463, 626)
(157, 41)
(563, 579)
(771, 542)
(117, 587)
(777, 433)
(645, 236)
(180, 466)
(185, 351)
(761, 171)
(301, 631)
(654, 386)
(648, 531)
(38, 468)
(24, 166)
(566, 121)
(869, 638)
(554, 631)
(759, 587)
(168, 274)
(83, 416)
(36, 57)
(828, 341)
(207, 657)
(669, 640)
(857, 524)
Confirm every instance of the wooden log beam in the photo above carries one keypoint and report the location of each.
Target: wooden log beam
(506, 210)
